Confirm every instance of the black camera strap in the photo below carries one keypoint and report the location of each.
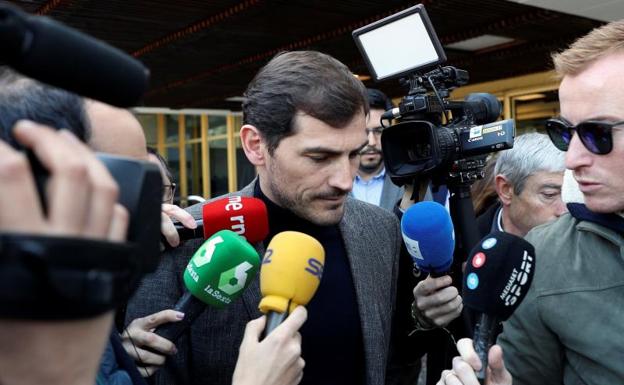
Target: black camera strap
(58, 278)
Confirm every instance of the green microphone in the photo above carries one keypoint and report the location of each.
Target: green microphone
(220, 270)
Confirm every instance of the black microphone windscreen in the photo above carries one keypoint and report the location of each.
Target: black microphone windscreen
(498, 274)
(52, 53)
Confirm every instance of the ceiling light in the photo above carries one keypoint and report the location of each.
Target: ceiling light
(479, 42)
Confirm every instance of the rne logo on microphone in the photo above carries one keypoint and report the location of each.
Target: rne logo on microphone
(234, 203)
(238, 228)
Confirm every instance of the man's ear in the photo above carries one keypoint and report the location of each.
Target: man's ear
(504, 189)
(253, 144)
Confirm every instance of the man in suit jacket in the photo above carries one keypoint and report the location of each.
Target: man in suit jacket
(303, 129)
(372, 184)
(528, 181)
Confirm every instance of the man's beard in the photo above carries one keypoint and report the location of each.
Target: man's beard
(299, 207)
(370, 167)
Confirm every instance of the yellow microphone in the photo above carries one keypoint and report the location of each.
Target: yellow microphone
(291, 272)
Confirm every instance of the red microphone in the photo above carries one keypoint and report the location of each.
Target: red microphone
(245, 216)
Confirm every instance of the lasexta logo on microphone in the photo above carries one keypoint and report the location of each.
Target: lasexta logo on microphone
(221, 268)
(233, 280)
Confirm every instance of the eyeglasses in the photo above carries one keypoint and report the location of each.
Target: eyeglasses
(168, 192)
(376, 131)
(596, 136)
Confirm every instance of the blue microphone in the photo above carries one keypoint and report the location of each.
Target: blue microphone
(427, 231)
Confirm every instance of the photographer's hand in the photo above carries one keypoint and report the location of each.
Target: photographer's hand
(81, 195)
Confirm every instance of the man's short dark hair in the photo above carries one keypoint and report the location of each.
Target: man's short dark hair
(378, 100)
(25, 98)
(301, 81)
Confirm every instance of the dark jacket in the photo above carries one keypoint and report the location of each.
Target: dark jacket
(208, 351)
(568, 329)
(117, 368)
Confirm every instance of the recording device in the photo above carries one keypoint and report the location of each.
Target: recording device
(219, 272)
(498, 275)
(427, 232)
(245, 216)
(292, 268)
(445, 140)
(64, 278)
(50, 52)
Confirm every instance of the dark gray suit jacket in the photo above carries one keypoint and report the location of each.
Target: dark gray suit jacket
(208, 352)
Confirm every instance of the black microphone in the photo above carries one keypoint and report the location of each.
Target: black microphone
(48, 51)
(497, 277)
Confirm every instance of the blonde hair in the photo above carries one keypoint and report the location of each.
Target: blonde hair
(589, 48)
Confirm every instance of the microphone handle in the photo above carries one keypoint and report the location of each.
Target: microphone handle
(483, 341)
(186, 233)
(274, 319)
(191, 307)
(438, 274)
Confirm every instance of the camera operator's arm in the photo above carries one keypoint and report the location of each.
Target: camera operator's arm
(464, 367)
(276, 360)
(81, 198)
(167, 228)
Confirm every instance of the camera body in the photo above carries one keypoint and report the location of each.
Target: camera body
(435, 137)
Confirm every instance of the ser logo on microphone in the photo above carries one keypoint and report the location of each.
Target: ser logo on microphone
(315, 267)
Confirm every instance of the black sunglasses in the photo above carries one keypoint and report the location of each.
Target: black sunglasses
(595, 135)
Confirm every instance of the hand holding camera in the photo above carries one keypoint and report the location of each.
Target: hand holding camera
(92, 212)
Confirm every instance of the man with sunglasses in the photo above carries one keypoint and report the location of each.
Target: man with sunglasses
(569, 328)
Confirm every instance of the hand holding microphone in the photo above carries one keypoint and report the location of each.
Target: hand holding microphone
(428, 235)
(276, 360)
(468, 362)
(168, 229)
(292, 268)
(245, 216)
(217, 274)
(497, 278)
